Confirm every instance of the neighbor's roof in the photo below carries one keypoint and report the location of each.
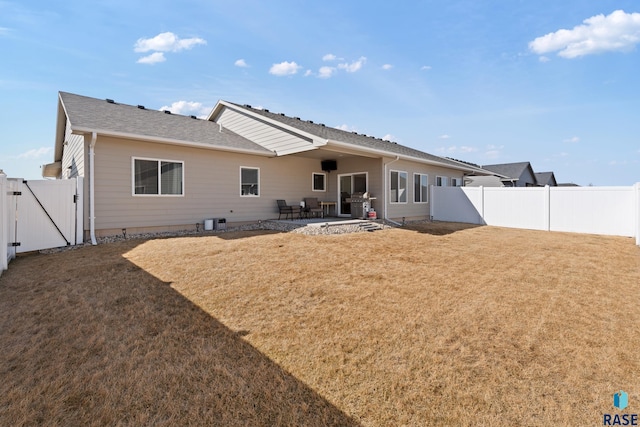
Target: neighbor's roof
(111, 118)
(512, 170)
(355, 139)
(545, 177)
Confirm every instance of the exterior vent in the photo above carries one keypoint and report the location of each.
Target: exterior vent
(322, 124)
(167, 112)
(265, 110)
(110, 101)
(141, 107)
(282, 114)
(297, 118)
(309, 121)
(247, 105)
(193, 117)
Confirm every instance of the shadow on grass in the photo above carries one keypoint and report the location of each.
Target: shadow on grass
(90, 339)
(436, 228)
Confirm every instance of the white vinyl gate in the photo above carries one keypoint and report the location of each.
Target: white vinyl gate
(40, 214)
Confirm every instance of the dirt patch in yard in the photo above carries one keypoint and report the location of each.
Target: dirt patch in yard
(433, 324)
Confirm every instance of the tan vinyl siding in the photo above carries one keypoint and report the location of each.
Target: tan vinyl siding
(261, 133)
(74, 154)
(411, 209)
(211, 185)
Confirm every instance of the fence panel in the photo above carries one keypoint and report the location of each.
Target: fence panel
(596, 210)
(515, 207)
(457, 204)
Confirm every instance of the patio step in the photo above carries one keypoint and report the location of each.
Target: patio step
(370, 226)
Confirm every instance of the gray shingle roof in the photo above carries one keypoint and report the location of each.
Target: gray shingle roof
(358, 140)
(100, 115)
(512, 170)
(544, 178)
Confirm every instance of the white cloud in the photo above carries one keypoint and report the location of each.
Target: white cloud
(326, 72)
(241, 63)
(573, 139)
(354, 66)
(346, 127)
(308, 73)
(445, 136)
(387, 66)
(154, 58)
(188, 108)
(389, 137)
(329, 57)
(35, 153)
(166, 42)
(493, 151)
(455, 149)
(544, 59)
(425, 67)
(618, 31)
(4, 31)
(284, 68)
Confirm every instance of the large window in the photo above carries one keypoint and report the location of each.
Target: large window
(319, 181)
(249, 182)
(398, 187)
(441, 181)
(158, 177)
(420, 188)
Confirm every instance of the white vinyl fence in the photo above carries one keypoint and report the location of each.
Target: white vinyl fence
(36, 215)
(594, 210)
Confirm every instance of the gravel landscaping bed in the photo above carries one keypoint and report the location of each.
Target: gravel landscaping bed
(287, 227)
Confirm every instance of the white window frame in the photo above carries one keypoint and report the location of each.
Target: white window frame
(406, 189)
(159, 161)
(442, 181)
(414, 187)
(456, 182)
(240, 176)
(324, 181)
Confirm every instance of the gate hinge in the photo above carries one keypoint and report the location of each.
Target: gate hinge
(75, 198)
(14, 244)
(14, 193)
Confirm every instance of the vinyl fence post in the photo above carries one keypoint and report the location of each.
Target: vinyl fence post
(431, 202)
(4, 227)
(547, 208)
(482, 220)
(637, 208)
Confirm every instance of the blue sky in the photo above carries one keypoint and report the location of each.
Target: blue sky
(552, 83)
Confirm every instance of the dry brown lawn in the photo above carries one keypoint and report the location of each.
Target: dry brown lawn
(439, 324)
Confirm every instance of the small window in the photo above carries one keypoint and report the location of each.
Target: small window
(249, 182)
(456, 182)
(420, 188)
(319, 181)
(158, 177)
(398, 187)
(442, 181)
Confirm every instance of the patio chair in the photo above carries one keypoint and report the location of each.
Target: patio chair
(287, 209)
(312, 208)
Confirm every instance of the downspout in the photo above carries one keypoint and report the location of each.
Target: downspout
(385, 192)
(92, 175)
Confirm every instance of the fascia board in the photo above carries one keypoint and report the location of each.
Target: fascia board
(84, 131)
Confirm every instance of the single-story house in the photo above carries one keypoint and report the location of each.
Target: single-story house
(148, 170)
(546, 178)
(517, 174)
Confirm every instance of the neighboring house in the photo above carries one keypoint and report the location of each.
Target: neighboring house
(546, 178)
(517, 174)
(148, 170)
